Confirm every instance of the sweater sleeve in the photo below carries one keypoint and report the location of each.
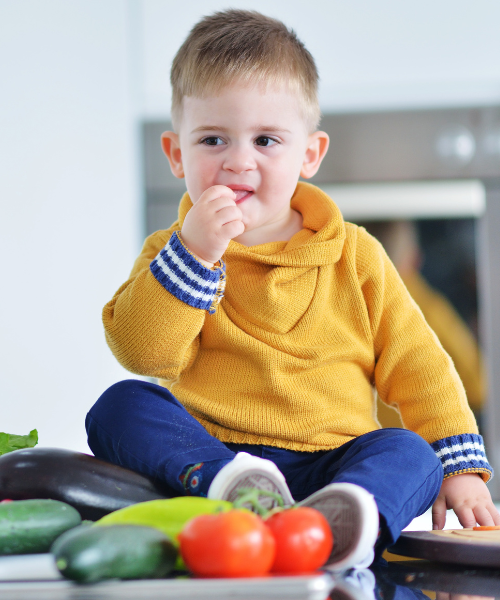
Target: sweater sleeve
(454, 335)
(154, 320)
(412, 371)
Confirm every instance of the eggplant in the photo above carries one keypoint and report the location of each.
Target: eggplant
(92, 486)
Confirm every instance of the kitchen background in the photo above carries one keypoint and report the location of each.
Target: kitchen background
(80, 83)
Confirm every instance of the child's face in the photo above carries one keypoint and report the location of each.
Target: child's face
(253, 141)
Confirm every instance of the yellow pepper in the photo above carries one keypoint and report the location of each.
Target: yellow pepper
(169, 515)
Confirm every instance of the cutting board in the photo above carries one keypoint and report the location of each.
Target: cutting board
(453, 546)
(28, 567)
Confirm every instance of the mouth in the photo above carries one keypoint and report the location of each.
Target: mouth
(243, 192)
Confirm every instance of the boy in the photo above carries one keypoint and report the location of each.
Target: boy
(268, 320)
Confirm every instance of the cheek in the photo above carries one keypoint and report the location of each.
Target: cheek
(200, 174)
(283, 173)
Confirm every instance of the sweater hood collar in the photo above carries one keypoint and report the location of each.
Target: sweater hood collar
(320, 242)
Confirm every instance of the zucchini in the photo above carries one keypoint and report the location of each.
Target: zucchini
(94, 487)
(168, 515)
(90, 554)
(31, 526)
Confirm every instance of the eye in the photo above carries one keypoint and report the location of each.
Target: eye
(265, 141)
(212, 141)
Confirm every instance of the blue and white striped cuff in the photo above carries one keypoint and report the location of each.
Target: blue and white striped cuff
(462, 454)
(182, 275)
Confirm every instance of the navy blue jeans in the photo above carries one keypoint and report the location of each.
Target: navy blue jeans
(142, 426)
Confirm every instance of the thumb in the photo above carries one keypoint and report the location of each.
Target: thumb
(439, 513)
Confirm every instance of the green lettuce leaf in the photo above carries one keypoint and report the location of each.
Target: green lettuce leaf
(10, 442)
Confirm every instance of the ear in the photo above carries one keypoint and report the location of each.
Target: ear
(317, 146)
(172, 149)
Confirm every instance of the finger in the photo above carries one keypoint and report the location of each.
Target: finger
(439, 513)
(495, 515)
(217, 191)
(483, 516)
(465, 516)
(213, 206)
(228, 214)
(232, 229)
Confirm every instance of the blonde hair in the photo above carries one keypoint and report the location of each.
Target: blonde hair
(243, 46)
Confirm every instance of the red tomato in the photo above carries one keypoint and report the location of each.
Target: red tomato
(303, 540)
(231, 544)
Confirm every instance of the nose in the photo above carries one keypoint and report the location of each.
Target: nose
(238, 158)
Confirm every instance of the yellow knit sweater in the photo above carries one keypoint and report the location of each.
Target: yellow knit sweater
(304, 330)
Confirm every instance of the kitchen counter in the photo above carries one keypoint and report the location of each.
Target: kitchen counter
(412, 580)
(401, 580)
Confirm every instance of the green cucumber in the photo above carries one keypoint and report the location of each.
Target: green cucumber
(31, 526)
(90, 554)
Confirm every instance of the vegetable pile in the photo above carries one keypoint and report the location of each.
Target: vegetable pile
(161, 538)
(295, 540)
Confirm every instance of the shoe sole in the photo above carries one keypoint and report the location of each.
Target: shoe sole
(270, 481)
(353, 518)
(256, 480)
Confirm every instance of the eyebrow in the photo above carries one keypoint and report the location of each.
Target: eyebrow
(267, 128)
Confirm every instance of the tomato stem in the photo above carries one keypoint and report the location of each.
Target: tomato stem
(251, 496)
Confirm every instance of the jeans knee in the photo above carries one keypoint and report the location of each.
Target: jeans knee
(414, 450)
(123, 389)
(115, 399)
(112, 414)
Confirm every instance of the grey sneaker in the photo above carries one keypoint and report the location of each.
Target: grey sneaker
(247, 471)
(352, 514)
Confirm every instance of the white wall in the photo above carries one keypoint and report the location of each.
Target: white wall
(77, 76)
(370, 54)
(69, 208)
